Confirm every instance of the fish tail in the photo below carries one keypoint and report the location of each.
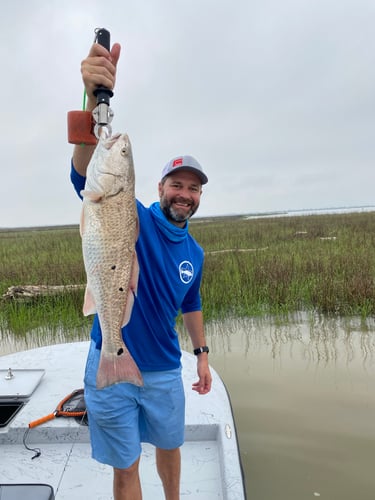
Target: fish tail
(116, 368)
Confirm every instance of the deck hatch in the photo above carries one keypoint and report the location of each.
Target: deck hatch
(8, 411)
(20, 384)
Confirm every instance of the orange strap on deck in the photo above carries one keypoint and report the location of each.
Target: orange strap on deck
(42, 420)
(59, 412)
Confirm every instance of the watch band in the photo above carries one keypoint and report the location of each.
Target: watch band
(199, 350)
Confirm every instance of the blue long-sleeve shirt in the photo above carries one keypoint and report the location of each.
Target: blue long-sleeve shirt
(170, 272)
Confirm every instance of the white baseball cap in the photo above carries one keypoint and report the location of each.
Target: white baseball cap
(187, 163)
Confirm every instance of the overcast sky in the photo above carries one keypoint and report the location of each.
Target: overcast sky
(276, 99)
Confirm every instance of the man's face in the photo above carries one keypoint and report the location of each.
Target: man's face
(179, 196)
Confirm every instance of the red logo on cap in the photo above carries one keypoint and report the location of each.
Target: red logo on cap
(177, 162)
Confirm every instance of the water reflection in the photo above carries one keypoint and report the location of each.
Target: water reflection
(39, 337)
(313, 338)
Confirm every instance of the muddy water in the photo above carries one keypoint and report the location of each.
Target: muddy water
(304, 400)
(303, 393)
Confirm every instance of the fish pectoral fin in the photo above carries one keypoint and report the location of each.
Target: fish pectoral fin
(128, 308)
(132, 292)
(82, 224)
(134, 275)
(92, 195)
(89, 306)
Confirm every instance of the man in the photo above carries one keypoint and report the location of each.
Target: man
(122, 416)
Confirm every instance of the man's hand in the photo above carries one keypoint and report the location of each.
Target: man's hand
(203, 386)
(99, 68)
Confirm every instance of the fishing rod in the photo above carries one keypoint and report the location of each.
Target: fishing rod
(85, 127)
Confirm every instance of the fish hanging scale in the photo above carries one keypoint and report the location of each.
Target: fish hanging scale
(85, 127)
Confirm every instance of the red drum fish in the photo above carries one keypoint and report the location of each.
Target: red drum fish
(109, 230)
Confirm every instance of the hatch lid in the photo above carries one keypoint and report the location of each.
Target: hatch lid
(19, 383)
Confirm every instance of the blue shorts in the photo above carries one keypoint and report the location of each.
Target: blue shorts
(123, 415)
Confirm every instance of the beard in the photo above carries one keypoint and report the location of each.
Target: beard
(174, 215)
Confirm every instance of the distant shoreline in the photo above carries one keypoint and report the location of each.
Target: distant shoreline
(204, 218)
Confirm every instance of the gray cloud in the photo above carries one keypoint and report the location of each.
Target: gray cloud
(274, 98)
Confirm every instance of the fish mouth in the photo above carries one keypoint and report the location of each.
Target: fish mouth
(107, 172)
(110, 141)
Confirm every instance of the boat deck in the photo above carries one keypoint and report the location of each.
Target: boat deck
(211, 466)
(69, 469)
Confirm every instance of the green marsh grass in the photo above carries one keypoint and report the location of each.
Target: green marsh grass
(253, 267)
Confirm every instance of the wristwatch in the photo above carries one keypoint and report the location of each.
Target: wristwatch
(199, 350)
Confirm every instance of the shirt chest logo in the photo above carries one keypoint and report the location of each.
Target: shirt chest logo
(186, 271)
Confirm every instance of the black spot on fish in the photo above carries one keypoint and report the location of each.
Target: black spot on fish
(113, 268)
(120, 351)
(121, 289)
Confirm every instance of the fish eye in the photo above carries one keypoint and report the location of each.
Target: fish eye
(124, 150)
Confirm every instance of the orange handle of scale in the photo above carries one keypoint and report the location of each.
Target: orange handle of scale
(42, 420)
(81, 128)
